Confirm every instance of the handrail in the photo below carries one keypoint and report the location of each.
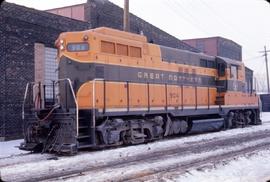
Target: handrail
(104, 96)
(196, 97)
(24, 98)
(93, 99)
(75, 101)
(93, 109)
(56, 82)
(127, 82)
(208, 98)
(182, 97)
(166, 96)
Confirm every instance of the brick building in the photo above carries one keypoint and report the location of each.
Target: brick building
(217, 46)
(104, 13)
(20, 29)
(27, 48)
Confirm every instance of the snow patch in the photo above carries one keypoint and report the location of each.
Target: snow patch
(10, 148)
(120, 172)
(246, 168)
(98, 157)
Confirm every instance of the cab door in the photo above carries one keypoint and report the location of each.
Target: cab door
(234, 77)
(222, 80)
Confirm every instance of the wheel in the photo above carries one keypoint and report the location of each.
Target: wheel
(184, 127)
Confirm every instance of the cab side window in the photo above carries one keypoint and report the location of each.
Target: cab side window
(234, 73)
(221, 69)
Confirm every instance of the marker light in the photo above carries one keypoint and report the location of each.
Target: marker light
(62, 47)
(85, 37)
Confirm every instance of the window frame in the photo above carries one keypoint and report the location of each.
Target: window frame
(231, 75)
(77, 43)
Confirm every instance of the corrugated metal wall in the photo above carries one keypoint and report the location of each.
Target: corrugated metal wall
(265, 99)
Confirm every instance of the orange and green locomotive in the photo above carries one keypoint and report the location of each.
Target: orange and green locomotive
(115, 88)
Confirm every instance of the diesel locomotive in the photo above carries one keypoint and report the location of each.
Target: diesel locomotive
(115, 88)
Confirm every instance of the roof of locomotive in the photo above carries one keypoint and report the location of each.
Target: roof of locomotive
(230, 61)
(143, 39)
(109, 32)
(183, 56)
(183, 51)
(119, 33)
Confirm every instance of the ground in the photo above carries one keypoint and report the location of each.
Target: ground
(245, 168)
(10, 148)
(249, 167)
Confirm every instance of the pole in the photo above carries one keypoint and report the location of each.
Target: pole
(126, 16)
(267, 73)
(266, 64)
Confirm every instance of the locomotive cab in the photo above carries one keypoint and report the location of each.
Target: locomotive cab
(234, 85)
(233, 81)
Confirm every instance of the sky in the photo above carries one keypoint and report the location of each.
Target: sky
(243, 21)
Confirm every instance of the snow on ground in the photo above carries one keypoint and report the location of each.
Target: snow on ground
(154, 146)
(10, 148)
(119, 173)
(246, 168)
(265, 116)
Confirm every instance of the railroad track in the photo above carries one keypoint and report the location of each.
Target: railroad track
(23, 158)
(134, 159)
(144, 167)
(168, 158)
(182, 168)
(14, 155)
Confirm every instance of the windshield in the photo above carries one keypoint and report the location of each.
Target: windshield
(80, 46)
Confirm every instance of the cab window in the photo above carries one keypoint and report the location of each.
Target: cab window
(76, 47)
(221, 69)
(234, 72)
